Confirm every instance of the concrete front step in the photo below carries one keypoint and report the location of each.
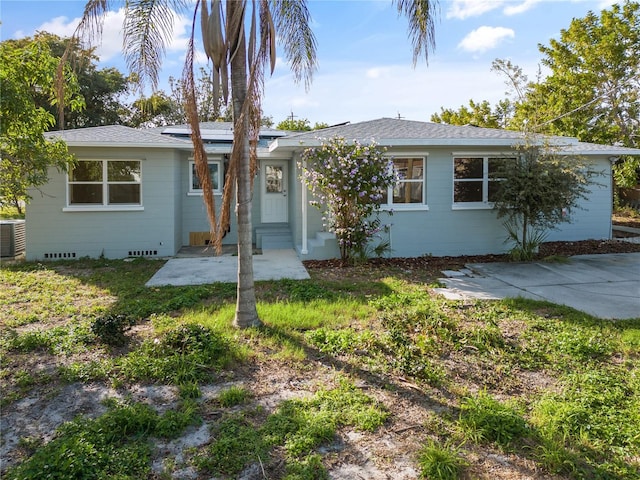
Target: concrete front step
(276, 242)
(274, 237)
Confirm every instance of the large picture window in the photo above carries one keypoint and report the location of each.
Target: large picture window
(215, 170)
(105, 182)
(475, 179)
(409, 189)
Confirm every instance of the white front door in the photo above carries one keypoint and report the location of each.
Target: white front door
(274, 183)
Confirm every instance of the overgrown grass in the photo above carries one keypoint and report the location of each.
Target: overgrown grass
(297, 426)
(114, 445)
(539, 381)
(440, 462)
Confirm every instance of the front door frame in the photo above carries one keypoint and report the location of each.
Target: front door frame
(274, 201)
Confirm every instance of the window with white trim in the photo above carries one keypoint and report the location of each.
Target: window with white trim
(215, 170)
(409, 189)
(105, 183)
(475, 180)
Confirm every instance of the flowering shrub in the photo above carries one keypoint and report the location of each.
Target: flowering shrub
(348, 182)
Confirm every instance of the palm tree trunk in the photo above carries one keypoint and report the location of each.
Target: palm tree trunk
(246, 312)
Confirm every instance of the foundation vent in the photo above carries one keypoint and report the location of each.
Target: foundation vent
(143, 253)
(57, 256)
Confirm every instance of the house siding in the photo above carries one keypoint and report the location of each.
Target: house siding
(593, 219)
(192, 207)
(53, 233)
(170, 212)
(444, 230)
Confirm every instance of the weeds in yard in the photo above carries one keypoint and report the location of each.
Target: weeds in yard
(114, 445)
(110, 329)
(233, 396)
(595, 417)
(297, 426)
(557, 387)
(484, 419)
(338, 342)
(440, 462)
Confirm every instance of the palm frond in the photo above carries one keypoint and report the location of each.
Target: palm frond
(90, 26)
(235, 27)
(199, 153)
(421, 15)
(215, 46)
(292, 21)
(147, 30)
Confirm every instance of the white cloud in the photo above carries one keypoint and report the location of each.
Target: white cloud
(604, 4)
(61, 26)
(462, 9)
(520, 8)
(485, 38)
(109, 45)
(376, 72)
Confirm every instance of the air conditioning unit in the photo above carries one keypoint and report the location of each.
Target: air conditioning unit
(12, 237)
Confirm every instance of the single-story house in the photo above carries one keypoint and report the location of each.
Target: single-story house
(134, 192)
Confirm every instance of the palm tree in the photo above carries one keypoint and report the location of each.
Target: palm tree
(148, 28)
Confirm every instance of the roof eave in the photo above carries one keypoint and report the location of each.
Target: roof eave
(604, 152)
(124, 144)
(284, 144)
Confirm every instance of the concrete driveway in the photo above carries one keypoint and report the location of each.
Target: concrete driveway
(605, 286)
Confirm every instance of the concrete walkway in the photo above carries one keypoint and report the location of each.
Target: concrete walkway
(605, 286)
(271, 265)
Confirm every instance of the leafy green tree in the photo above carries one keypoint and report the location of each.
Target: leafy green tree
(478, 114)
(593, 91)
(239, 60)
(348, 181)
(537, 191)
(27, 72)
(210, 108)
(157, 110)
(300, 125)
(102, 89)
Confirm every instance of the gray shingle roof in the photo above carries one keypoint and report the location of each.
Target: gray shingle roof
(393, 128)
(218, 127)
(385, 131)
(584, 148)
(400, 132)
(115, 135)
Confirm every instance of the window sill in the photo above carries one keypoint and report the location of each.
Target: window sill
(104, 208)
(199, 194)
(472, 206)
(405, 208)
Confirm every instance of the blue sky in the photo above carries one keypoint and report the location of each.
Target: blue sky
(365, 68)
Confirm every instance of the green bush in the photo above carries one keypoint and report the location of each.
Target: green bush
(111, 329)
